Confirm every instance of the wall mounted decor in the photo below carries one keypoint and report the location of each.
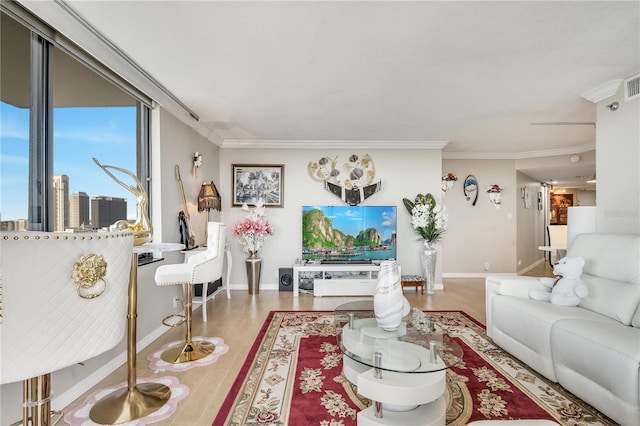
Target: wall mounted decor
(526, 196)
(470, 189)
(197, 162)
(448, 180)
(539, 200)
(254, 184)
(358, 173)
(495, 195)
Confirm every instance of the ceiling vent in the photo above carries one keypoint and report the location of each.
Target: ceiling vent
(632, 88)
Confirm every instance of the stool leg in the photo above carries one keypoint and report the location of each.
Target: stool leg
(205, 290)
(189, 350)
(36, 401)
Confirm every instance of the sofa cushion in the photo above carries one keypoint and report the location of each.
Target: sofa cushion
(635, 321)
(615, 299)
(523, 327)
(611, 272)
(599, 361)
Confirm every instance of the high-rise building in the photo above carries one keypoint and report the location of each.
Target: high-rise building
(61, 202)
(79, 210)
(107, 210)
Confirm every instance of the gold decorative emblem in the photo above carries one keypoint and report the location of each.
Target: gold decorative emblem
(87, 271)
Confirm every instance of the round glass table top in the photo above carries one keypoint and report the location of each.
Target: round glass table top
(419, 345)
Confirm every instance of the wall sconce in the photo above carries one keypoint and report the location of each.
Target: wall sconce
(495, 195)
(197, 162)
(447, 181)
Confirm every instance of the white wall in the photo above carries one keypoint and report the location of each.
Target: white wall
(617, 169)
(404, 173)
(480, 234)
(177, 145)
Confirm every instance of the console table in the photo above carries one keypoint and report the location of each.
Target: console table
(338, 279)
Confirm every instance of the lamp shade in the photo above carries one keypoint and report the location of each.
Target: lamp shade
(209, 197)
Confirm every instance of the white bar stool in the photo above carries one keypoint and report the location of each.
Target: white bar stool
(203, 267)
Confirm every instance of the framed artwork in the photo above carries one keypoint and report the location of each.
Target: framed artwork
(253, 183)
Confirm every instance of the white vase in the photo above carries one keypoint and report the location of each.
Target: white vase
(389, 303)
(428, 257)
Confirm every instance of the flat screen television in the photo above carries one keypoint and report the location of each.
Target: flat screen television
(343, 234)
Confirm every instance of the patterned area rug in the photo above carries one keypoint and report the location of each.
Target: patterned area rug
(294, 376)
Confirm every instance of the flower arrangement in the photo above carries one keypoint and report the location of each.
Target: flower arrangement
(494, 188)
(450, 177)
(252, 230)
(428, 218)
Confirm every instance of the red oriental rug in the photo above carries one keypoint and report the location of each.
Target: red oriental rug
(293, 376)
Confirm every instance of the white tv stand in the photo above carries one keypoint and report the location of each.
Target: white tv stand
(338, 279)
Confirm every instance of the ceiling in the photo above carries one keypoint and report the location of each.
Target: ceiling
(473, 75)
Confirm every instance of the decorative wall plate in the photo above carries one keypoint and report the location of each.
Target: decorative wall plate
(353, 184)
(470, 189)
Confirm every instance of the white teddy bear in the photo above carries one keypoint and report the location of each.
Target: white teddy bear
(567, 288)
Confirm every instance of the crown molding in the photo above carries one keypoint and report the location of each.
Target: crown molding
(602, 92)
(335, 144)
(517, 155)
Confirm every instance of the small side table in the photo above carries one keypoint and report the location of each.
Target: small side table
(412, 281)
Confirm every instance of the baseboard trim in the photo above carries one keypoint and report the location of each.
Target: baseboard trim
(475, 274)
(530, 267)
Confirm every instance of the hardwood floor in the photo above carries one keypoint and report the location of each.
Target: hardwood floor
(242, 317)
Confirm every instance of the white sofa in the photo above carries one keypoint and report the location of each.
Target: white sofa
(593, 349)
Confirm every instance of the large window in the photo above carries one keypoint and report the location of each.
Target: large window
(57, 114)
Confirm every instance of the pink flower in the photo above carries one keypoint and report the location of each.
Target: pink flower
(252, 230)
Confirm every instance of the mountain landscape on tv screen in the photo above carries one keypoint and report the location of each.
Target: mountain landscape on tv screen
(349, 233)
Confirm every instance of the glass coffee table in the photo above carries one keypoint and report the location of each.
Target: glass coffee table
(403, 372)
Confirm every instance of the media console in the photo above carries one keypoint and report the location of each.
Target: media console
(338, 279)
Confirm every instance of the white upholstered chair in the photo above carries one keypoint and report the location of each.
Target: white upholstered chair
(200, 268)
(204, 297)
(64, 301)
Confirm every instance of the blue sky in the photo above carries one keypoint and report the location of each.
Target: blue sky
(353, 219)
(107, 133)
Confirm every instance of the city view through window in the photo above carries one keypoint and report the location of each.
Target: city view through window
(85, 197)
